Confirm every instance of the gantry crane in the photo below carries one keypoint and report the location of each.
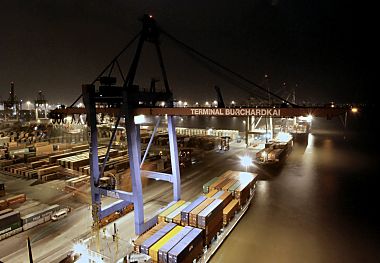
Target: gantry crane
(128, 100)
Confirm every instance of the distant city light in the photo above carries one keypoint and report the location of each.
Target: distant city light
(163, 103)
(196, 104)
(233, 102)
(185, 103)
(354, 110)
(207, 103)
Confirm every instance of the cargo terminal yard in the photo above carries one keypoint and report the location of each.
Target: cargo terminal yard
(128, 173)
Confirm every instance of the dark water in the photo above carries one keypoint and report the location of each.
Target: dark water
(320, 207)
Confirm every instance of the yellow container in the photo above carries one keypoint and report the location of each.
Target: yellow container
(212, 193)
(162, 216)
(153, 250)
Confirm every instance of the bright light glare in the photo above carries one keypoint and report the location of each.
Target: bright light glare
(79, 248)
(139, 119)
(309, 118)
(283, 137)
(246, 161)
(69, 119)
(354, 110)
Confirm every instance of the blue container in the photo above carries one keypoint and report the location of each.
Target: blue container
(185, 212)
(163, 252)
(156, 237)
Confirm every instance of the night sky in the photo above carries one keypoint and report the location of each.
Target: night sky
(320, 46)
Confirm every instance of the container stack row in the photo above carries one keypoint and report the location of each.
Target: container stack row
(11, 222)
(184, 228)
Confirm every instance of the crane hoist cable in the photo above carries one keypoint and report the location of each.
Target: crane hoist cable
(224, 75)
(179, 42)
(111, 64)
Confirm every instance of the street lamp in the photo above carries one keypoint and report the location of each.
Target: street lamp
(246, 161)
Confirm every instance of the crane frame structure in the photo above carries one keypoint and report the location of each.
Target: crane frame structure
(128, 101)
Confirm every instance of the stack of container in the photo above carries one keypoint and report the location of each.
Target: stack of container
(162, 216)
(10, 224)
(141, 239)
(17, 199)
(185, 212)
(39, 217)
(237, 187)
(168, 242)
(188, 249)
(185, 227)
(193, 215)
(211, 220)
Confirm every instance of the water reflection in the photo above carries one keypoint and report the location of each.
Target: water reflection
(319, 207)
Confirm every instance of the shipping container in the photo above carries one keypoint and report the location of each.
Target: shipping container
(141, 239)
(177, 219)
(44, 213)
(162, 215)
(229, 211)
(207, 185)
(3, 204)
(230, 183)
(242, 192)
(163, 251)
(16, 199)
(233, 188)
(218, 194)
(214, 184)
(10, 233)
(223, 183)
(169, 218)
(226, 197)
(212, 231)
(213, 210)
(2, 189)
(144, 248)
(193, 215)
(211, 193)
(153, 250)
(5, 211)
(9, 221)
(185, 212)
(188, 249)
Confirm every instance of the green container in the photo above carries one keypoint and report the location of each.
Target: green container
(207, 185)
(234, 187)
